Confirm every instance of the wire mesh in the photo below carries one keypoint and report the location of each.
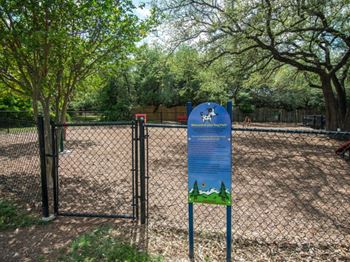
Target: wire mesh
(19, 162)
(15, 119)
(95, 170)
(287, 186)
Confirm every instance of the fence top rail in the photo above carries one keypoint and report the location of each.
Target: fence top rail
(122, 123)
(85, 111)
(266, 130)
(292, 131)
(167, 125)
(13, 111)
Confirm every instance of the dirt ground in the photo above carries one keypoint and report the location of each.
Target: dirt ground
(291, 196)
(49, 242)
(286, 187)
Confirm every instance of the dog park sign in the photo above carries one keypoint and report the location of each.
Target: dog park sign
(209, 162)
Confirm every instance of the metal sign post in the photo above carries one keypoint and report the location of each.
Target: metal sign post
(190, 205)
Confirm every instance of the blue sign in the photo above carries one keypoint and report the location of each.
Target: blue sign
(209, 155)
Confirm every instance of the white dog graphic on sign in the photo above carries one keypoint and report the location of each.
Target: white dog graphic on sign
(208, 117)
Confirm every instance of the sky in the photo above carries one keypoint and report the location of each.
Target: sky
(160, 36)
(142, 12)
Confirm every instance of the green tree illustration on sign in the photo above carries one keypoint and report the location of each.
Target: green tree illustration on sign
(223, 193)
(195, 192)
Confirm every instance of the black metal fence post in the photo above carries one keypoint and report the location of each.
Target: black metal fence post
(44, 191)
(314, 122)
(322, 120)
(229, 110)
(133, 168)
(147, 173)
(136, 167)
(142, 172)
(8, 122)
(188, 108)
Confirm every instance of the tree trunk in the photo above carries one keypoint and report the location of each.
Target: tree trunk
(333, 114)
(48, 142)
(347, 121)
(60, 118)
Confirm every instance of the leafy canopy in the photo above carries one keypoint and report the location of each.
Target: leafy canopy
(48, 47)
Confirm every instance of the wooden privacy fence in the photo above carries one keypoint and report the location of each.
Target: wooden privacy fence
(163, 114)
(275, 115)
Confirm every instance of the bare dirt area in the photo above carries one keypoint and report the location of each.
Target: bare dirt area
(20, 166)
(50, 242)
(279, 125)
(291, 196)
(287, 188)
(95, 171)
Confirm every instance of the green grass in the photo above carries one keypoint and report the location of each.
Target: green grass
(213, 198)
(18, 129)
(88, 118)
(12, 216)
(101, 245)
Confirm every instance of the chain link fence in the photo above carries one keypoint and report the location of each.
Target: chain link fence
(19, 161)
(287, 186)
(95, 174)
(13, 119)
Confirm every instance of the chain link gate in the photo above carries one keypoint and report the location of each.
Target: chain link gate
(98, 170)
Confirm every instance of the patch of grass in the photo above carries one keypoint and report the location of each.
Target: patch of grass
(13, 216)
(87, 118)
(18, 129)
(210, 199)
(101, 245)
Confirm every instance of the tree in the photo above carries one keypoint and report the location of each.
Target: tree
(223, 193)
(115, 97)
(85, 96)
(184, 66)
(195, 191)
(286, 88)
(311, 36)
(292, 90)
(245, 103)
(48, 47)
(10, 101)
(168, 79)
(220, 81)
(17, 107)
(149, 71)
